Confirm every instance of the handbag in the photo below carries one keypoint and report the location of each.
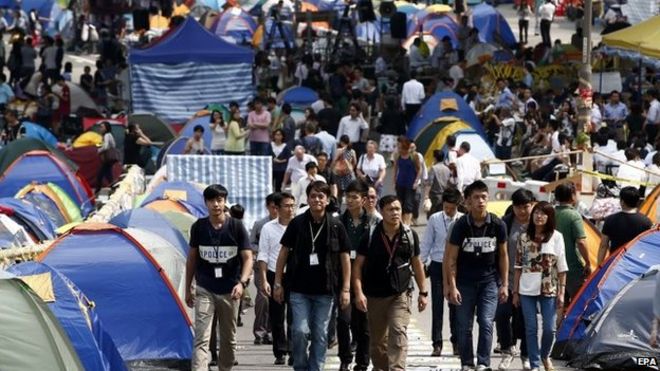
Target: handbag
(342, 167)
(110, 155)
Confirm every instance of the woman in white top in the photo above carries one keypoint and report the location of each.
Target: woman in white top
(109, 155)
(218, 132)
(524, 13)
(371, 167)
(540, 280)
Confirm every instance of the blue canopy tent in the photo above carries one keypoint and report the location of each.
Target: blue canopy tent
(77, 315)
(235, 26)
(136, 301)
(154, 222)
(43, 7)
(44, 167)
(188, 69)
(443, 114)
(298, 96)
(493, 27)
(184, 193)
(36, 131)
(626, 264)
(35, 221)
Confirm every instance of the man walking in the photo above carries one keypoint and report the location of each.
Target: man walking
(476, 261)
(547, 14)
(315, 251)
(385, 256)
(433, 250)
(220, 260)
(412, 96)
(269, 250)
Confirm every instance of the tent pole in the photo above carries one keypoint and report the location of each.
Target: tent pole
(584, 75)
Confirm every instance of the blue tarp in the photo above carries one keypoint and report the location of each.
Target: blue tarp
(44, 167)
(493, 27)
(152, 221)
(300, 96)
(134, 299)
(191, 42)
(78, 318)
(32, 130)
(194, 199)
(623, 267)
(430, 112)
(27, 215)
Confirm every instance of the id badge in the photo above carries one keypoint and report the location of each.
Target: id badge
(353, 254)
(218, 272)
(314, 259)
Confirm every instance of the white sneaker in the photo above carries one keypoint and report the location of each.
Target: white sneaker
(525, 363)
(507, 359)
(534, 369)
(483, 368)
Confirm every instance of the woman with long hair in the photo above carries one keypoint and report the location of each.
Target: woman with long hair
(280, 153)
(108, 153)
(218, 132)
(540, 281)
(343, 165)
(235, 143)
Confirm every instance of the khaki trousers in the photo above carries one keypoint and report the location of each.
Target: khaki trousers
(388, 324)
(206, 303)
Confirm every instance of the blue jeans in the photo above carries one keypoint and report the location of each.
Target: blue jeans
(549, 314)
(311, 314)
(259, 148)
(483, 297)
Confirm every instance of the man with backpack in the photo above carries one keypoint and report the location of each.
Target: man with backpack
(388, 255)
(477, 267)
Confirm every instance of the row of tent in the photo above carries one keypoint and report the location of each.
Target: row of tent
(433, 23)
(106, 296)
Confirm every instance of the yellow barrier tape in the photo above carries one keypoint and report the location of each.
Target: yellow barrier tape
(611, 177)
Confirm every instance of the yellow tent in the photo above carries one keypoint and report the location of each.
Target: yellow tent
(643, 38)
(650, 205)
(88, 138)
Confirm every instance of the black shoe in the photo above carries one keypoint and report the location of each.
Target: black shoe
(360, 368)
(239, 323)
(454, 349)
(332, 343)
(280, 361)
(258, 341)
(235, 363)
(267, 340)
(290, 363)
(345, 367)
(214, 362)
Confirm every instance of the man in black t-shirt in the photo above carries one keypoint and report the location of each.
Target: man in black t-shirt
(315, 251)
(476, 262)
(386, 254)
(220, 260)
(624, 226)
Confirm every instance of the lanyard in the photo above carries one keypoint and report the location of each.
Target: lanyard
(314, 238)
(391, 249)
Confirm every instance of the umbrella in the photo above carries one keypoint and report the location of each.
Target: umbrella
(480, 53)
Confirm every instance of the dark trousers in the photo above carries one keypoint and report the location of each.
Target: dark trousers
(651, 132)
(276, 313)
(278, 178)
(503, 152)
(510, 326)
(411, 111)
(545, 32)
(352, 323)
(105, 172)
(523, 27)
(438, 307)
(259, 148)
(546, 173)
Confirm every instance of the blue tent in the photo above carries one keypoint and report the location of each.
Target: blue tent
(77, 315)
(184, 193)
(44, 167)
(134, 298)
(35, 221)
(189, 129)
(174, 147)
(493, 27)
(154, 222)
(202, 69)
(235, 25)
(32, 130)
(298, 96)
(626, 264)
(438, 26)
(43, 7)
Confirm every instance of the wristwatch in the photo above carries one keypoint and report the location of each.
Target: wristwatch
(424, 293)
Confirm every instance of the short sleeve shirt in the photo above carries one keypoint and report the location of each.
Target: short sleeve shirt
(569, 223)
(219, 260)
(623, 227)
(477, 248)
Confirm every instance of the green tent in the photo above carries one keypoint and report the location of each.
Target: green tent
(180, 221)
(31, 338)
(156, 129)
(15, 149)
(48, 195)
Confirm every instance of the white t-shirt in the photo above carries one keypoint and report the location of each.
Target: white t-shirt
(297, 167)
(627, 171)
(269, 243)
(351, 127)
(371, 167)
(468, 169)
(507, 129)
(218, 138)
(300, 191)
(547, 11)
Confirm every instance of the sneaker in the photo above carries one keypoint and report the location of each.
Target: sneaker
(525, 363)
(267, 340)
(345, 367)
(437, 351)
(483, 368)
(258, 341)
(290, 363)
(547, 363)
(534, 369)
(507, 359)
(280, 361)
